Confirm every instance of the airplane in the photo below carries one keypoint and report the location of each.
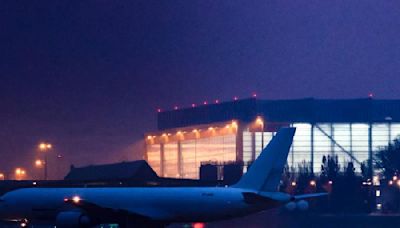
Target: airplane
(256, 191)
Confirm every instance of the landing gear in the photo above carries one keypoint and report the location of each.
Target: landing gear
(23, 223)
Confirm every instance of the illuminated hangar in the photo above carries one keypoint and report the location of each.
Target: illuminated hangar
(237, 131)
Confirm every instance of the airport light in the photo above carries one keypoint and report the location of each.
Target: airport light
(371, 95)
(39, 163)
(259, 120)
(375, 180)
(234, 124)
(20, 173)
(44, 147)
(198, 225)
(76, 199)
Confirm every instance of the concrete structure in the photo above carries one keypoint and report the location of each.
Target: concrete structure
(238, 130)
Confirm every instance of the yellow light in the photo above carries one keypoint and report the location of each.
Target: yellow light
(259, 120)
(164, 134)
(234, 124)
(42, 146)
(228, 126)
(18, 171)
(76, 199)
(210, 128)
(398, 183)
(23, 172)
(38, 163)
(195, 131)
(1, 176)
(313, 183)
(149, 137)
(45, 146)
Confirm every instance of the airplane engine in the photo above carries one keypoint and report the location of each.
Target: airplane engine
(290, 206)
(70, 219)
(302, 205)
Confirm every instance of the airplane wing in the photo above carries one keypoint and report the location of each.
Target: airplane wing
(141, 214)
(308, 196)
(105, 212)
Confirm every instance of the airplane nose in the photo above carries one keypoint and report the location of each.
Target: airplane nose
(3, 208)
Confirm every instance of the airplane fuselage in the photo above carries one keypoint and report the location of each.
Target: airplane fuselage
(164, 204)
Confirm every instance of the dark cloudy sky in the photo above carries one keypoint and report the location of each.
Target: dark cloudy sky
(89, 75)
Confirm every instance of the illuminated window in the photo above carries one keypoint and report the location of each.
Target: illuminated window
(154, 157)
(171, 160)
(360, 141)
(323, 145)
(247, 147)
(395, 131)
(380, 136)
(301, 147)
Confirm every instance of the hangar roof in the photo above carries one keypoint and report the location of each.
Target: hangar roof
(298, 110)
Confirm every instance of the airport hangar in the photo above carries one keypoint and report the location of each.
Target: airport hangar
(237, 131)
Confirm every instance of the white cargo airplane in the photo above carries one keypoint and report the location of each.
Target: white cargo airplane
(159, 206)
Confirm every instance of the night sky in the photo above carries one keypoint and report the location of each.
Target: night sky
(88, 76)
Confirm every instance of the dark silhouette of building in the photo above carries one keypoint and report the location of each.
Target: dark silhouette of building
(125, 171)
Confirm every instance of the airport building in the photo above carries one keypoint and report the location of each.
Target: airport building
(237, 131)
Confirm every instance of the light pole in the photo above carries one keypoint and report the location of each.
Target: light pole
(39, 164)
(45, 147)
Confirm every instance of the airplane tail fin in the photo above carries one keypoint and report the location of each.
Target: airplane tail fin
(266, 171)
